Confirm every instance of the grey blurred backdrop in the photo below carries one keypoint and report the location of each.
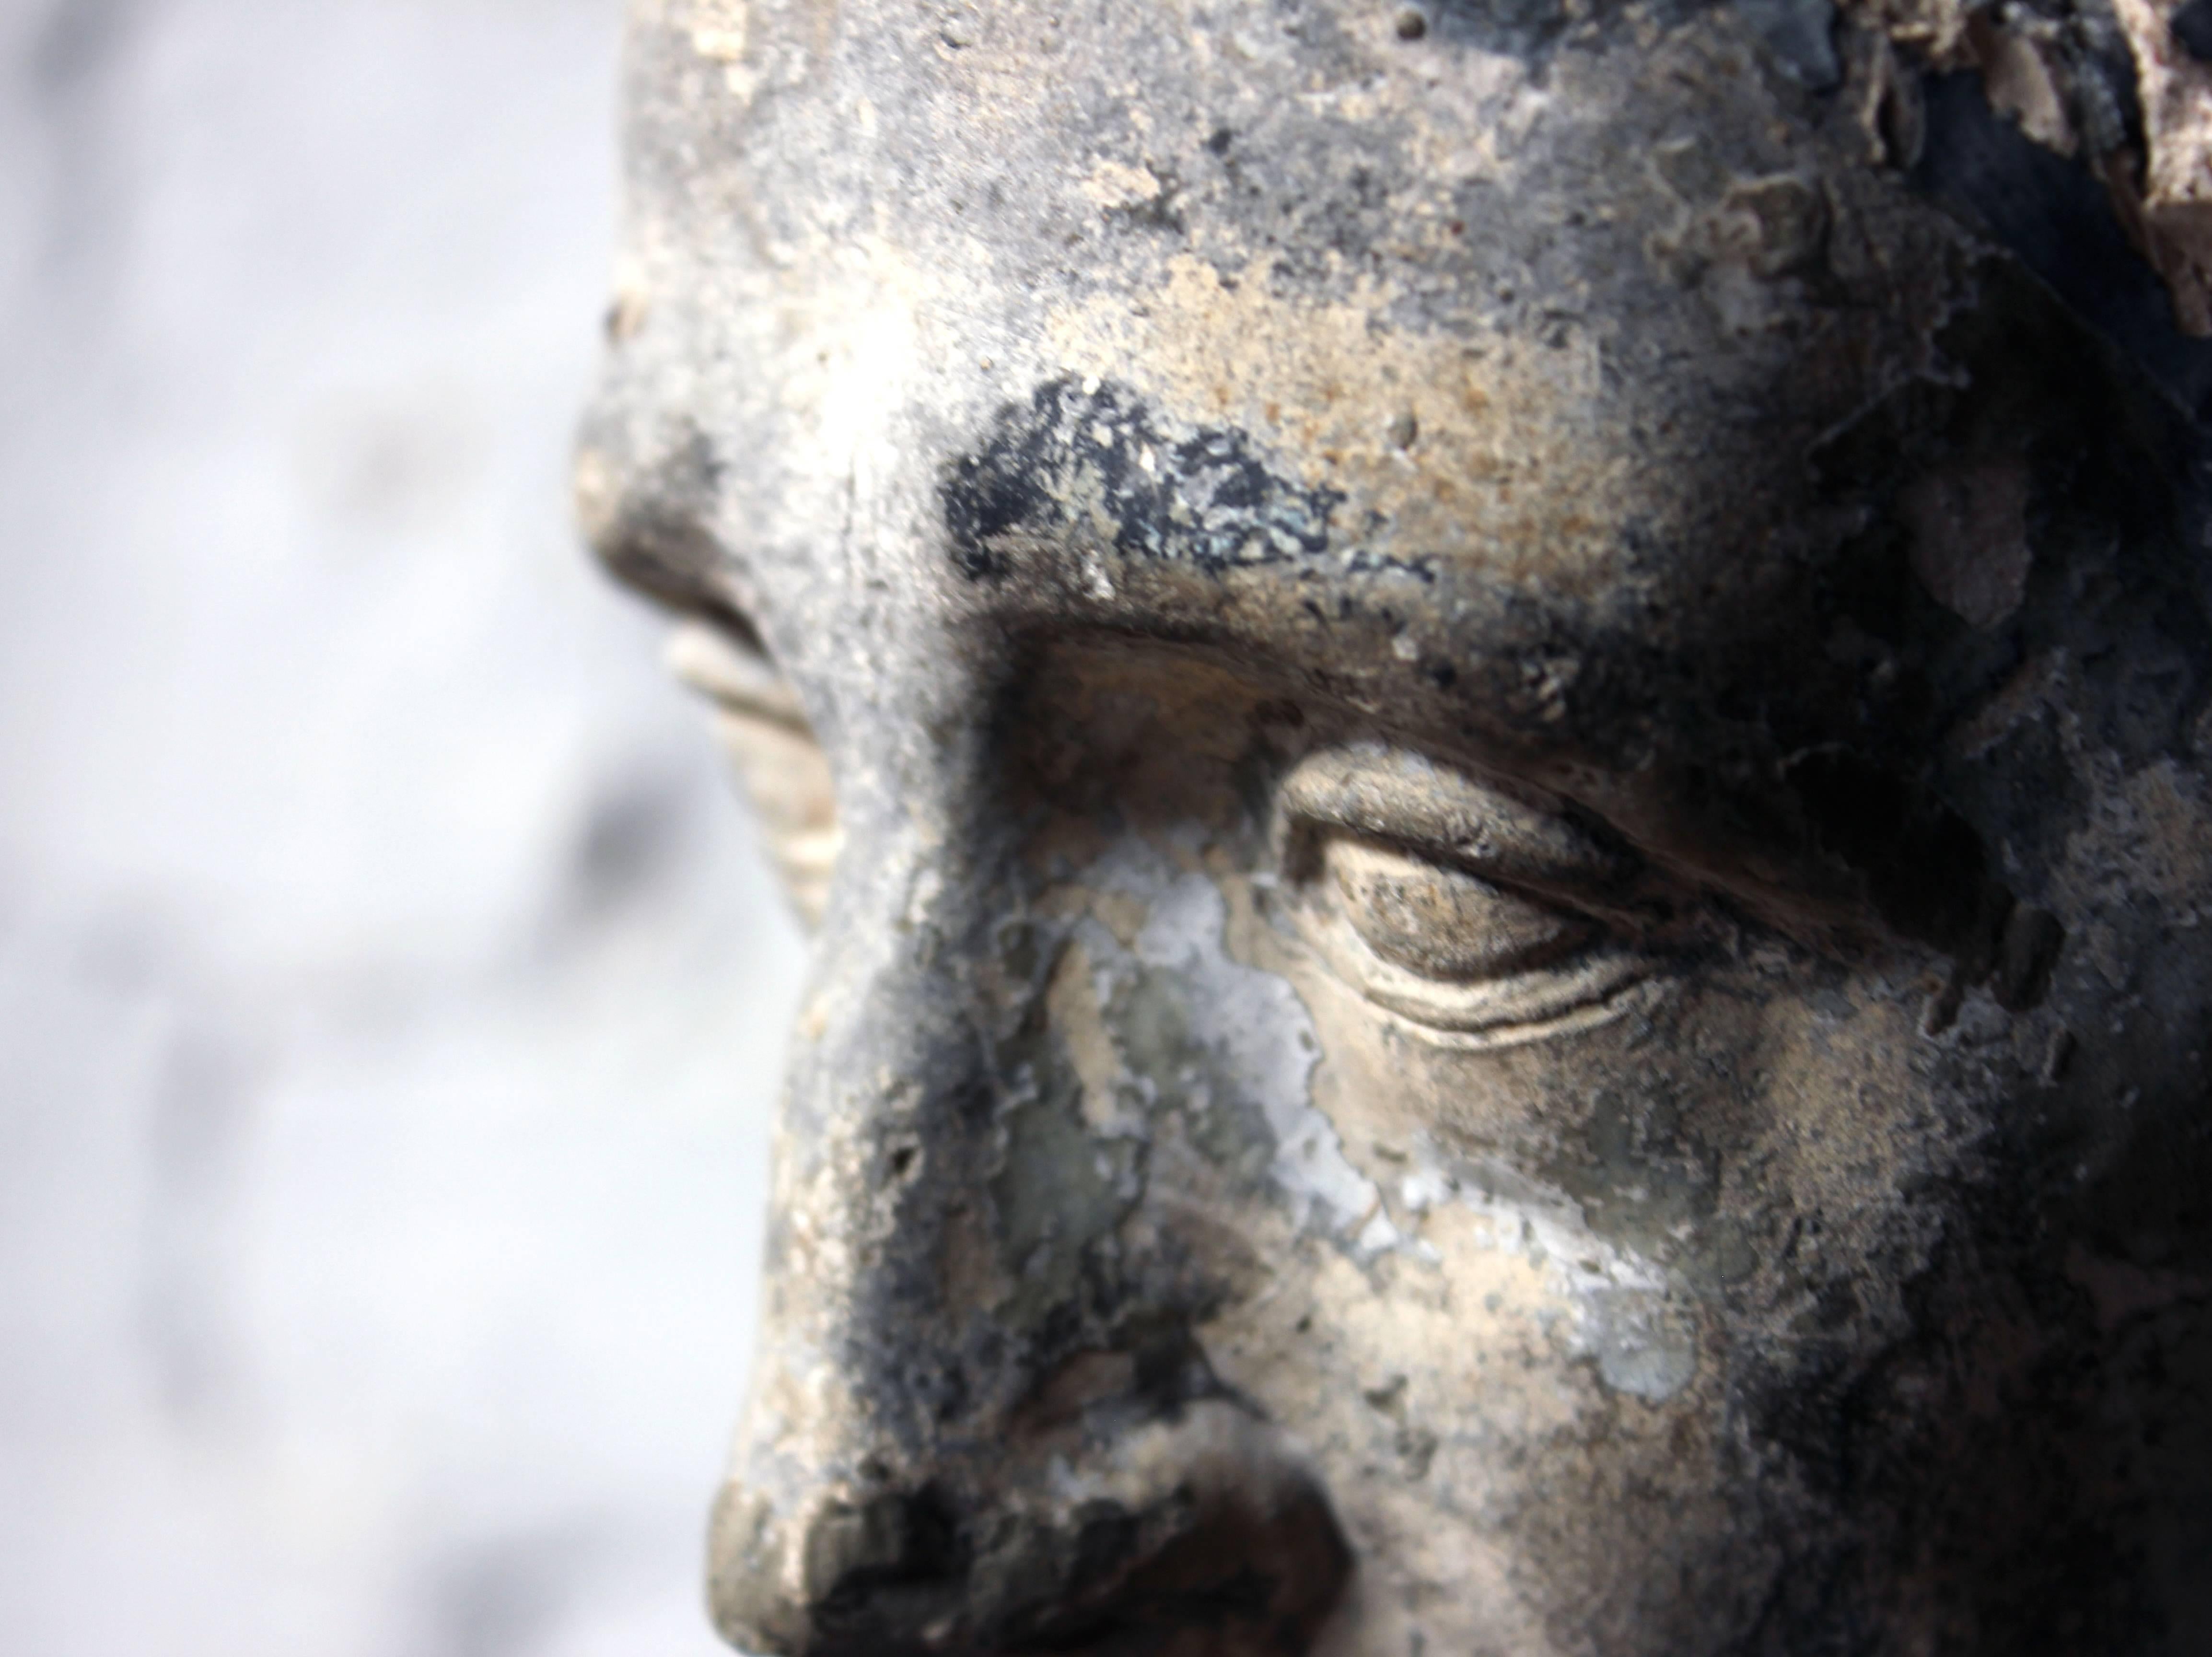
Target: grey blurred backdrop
(390, 1000)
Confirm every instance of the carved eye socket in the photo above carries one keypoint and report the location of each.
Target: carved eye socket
(1444, 923)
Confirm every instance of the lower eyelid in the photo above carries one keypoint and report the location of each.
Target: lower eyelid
(1579, 993)
(1544, 969)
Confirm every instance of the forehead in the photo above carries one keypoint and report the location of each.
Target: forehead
(1291, 221)
(1553, 309)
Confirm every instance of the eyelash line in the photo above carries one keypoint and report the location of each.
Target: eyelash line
(1439, 814)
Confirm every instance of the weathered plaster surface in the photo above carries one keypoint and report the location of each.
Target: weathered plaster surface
(1513, 714)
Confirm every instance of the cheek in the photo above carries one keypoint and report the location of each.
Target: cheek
(1403, 1094)
(1184, 1047)
(1708, 1135)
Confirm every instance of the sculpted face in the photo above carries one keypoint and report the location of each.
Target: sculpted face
(1499, 762)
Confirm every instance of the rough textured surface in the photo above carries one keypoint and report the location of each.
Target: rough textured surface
(1516, 700)
(2113, 83)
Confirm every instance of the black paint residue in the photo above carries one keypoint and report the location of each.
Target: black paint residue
(1083, 461)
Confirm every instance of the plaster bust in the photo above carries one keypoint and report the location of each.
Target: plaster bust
(1500, 740)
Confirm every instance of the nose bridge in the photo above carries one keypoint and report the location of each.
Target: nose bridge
(885, 1145)
(965, 1432)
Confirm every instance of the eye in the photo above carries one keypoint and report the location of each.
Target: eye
(1462, 909)
(1444, 923)
(785, 774)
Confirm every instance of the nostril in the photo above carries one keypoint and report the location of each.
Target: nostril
(876, 1572)
(1086, 1528)
(889, 1539)
(1236, 1566)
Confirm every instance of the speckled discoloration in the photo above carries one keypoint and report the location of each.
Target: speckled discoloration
(1517, 733)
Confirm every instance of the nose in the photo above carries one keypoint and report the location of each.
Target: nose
(977, 1425)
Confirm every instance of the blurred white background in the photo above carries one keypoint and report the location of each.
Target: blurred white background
(389, 1001)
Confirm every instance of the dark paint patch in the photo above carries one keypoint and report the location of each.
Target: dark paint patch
(1083, 460)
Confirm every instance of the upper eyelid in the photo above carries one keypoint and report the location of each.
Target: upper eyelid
(734, 674)
(1393, 795)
